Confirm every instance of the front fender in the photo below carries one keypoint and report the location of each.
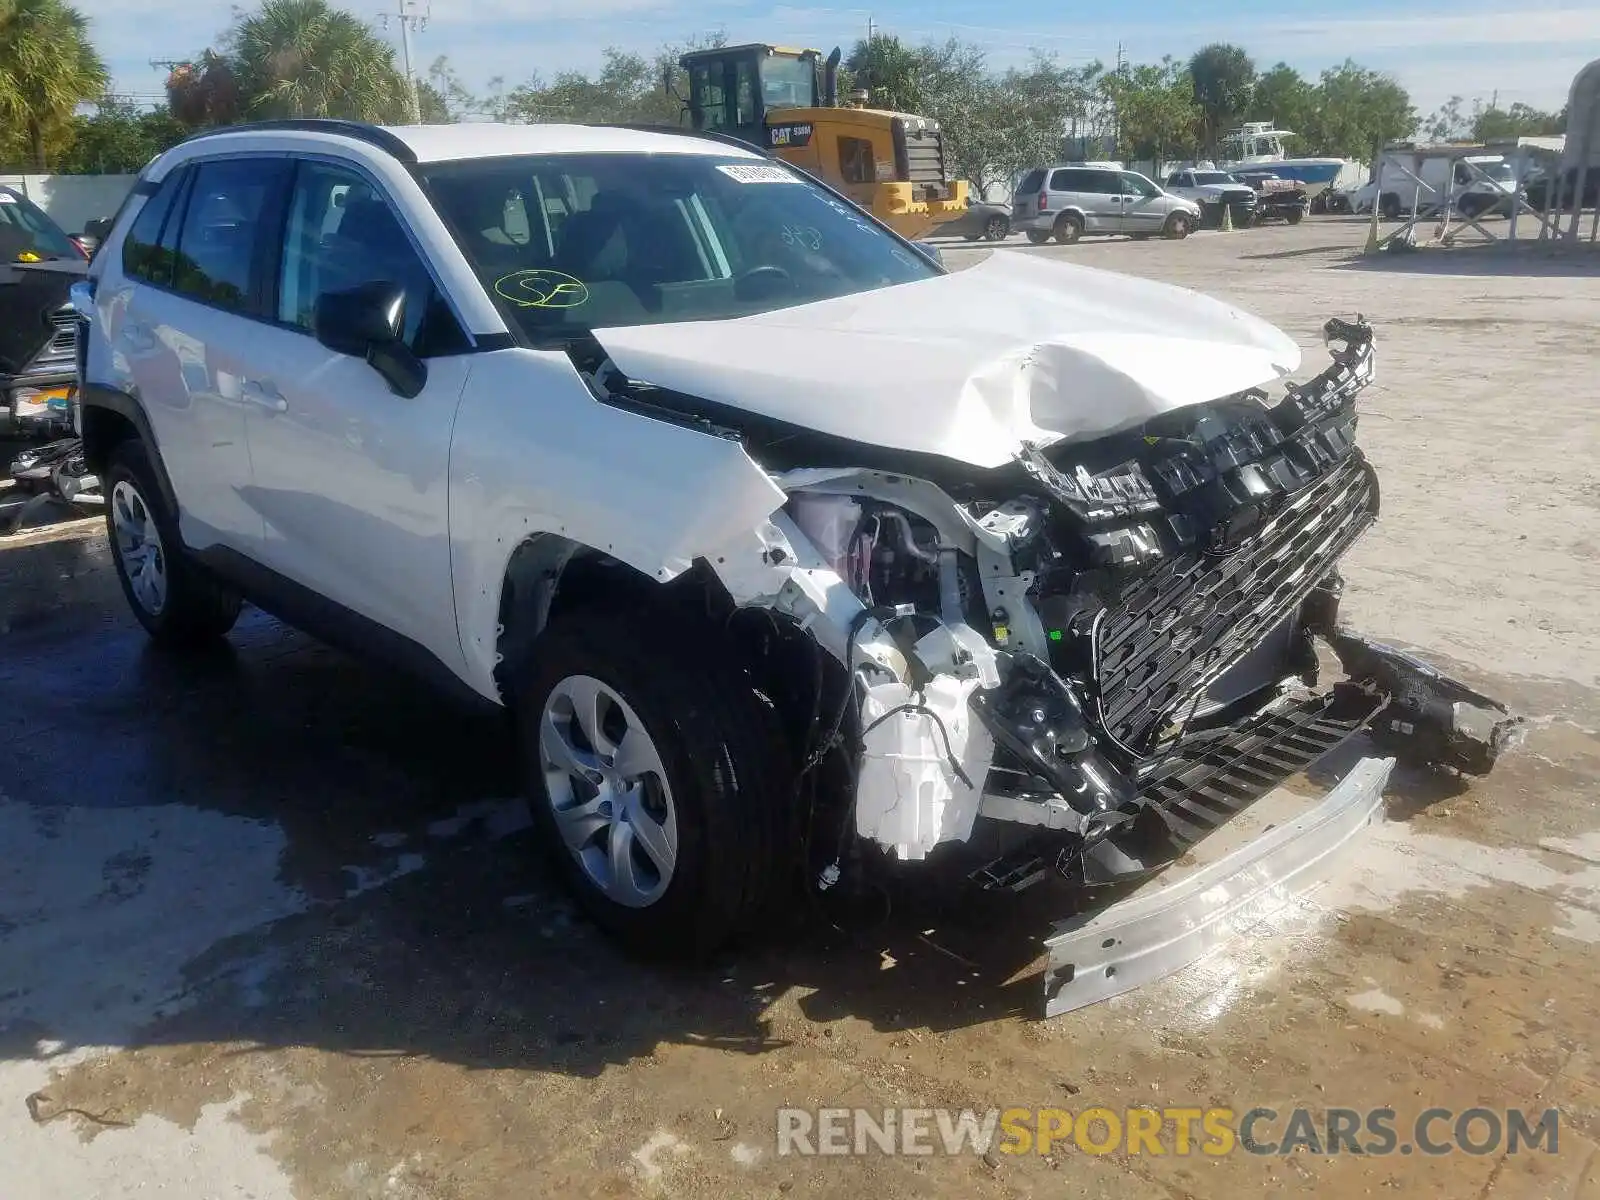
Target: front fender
(534, 452)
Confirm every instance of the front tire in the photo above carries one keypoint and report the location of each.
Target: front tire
(657, 778)
(1178, 226)
(997, 229)
(176, 602)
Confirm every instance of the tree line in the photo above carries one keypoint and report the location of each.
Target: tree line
(310, 58)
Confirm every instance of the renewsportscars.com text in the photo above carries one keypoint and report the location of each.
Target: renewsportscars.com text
(1178, 1131)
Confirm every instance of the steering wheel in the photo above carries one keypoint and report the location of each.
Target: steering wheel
(767, 280)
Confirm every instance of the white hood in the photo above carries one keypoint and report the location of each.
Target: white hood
(971, 364)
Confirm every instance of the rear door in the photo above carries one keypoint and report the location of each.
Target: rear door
(1100, 197)
(1025, 200)
(196, 262)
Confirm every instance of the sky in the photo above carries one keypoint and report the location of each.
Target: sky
(1469, 49)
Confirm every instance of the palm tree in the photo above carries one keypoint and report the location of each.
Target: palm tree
(47, 69)
(304, 58)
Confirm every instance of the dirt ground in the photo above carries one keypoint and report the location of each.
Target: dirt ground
(270, 924)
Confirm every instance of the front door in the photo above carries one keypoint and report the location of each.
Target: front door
(1144, 205)
(350, 479)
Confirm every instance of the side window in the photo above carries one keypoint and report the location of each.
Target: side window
(142, 255)
(341, 233)
(1102, 183)
(1065, 181)
(707, 86)
(855, 160)
(744, 93)
(216, 249)
(1137, 185)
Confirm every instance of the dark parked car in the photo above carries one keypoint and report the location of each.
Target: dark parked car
(1539, 188)
(1277, 198)
(38, 332)
(981, 220)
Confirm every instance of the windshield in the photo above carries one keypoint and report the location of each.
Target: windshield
(574, 242)
(788, 82)
(1204, 177)
(1500, 171)
(27, 235)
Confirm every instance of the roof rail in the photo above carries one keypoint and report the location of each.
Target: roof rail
(360, 131)
(709, 135)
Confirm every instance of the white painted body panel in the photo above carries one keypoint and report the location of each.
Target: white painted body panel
(970, 365)
(535, 452)
(350, 482)
(180, 360)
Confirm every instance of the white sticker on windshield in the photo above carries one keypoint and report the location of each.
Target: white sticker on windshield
(7, 198)
(755, 173)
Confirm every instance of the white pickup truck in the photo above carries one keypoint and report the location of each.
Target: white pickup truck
(1213, 191)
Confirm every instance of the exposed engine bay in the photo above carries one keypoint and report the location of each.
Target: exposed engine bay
(1101, 633)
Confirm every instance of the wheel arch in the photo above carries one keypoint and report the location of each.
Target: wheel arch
(547, 574)
(108, 417)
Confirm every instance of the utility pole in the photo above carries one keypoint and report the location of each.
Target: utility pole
(1116, 112)
(413, 17)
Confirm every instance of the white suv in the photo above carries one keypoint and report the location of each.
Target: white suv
(780, 543)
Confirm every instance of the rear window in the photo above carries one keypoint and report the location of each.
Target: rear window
(1032, 181)
(27, 235)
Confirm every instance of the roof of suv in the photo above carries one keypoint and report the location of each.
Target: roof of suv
(445, 143)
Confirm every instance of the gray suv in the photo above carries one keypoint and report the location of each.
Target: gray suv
(1068, 202)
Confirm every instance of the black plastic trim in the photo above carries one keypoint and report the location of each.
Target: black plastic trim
(98, 395)
(331, 622)
(358, 131)
(708, 135)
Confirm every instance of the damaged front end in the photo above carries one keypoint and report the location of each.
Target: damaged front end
(1110, 647)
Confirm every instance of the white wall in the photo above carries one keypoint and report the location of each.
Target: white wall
(73, 199)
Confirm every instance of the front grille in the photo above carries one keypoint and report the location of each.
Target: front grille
(65, 338)
(61, 351)
(1173, 630)
(1210, 776)
(925, 157)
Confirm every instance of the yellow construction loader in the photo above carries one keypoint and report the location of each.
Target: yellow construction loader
(786, 102)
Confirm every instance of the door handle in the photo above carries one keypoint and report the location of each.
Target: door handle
(264, 395)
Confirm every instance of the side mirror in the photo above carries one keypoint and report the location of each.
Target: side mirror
(97, 228)
(930, 252)
(366, 322)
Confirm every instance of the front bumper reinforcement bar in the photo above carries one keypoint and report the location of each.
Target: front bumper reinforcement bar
(1159, 929)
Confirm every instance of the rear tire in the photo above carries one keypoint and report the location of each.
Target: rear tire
(998, 229)
(1068, 229)
(1178, 226)
(1038, 237)
(1295, 215)
(664, 749)
(178, 604)
(1389, 206)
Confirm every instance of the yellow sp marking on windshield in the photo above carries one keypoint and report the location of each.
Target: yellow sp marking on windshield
(542, 288)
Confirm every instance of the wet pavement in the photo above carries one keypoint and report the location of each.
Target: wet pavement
(271, 925)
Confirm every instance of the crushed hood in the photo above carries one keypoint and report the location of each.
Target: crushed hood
(971, 364)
